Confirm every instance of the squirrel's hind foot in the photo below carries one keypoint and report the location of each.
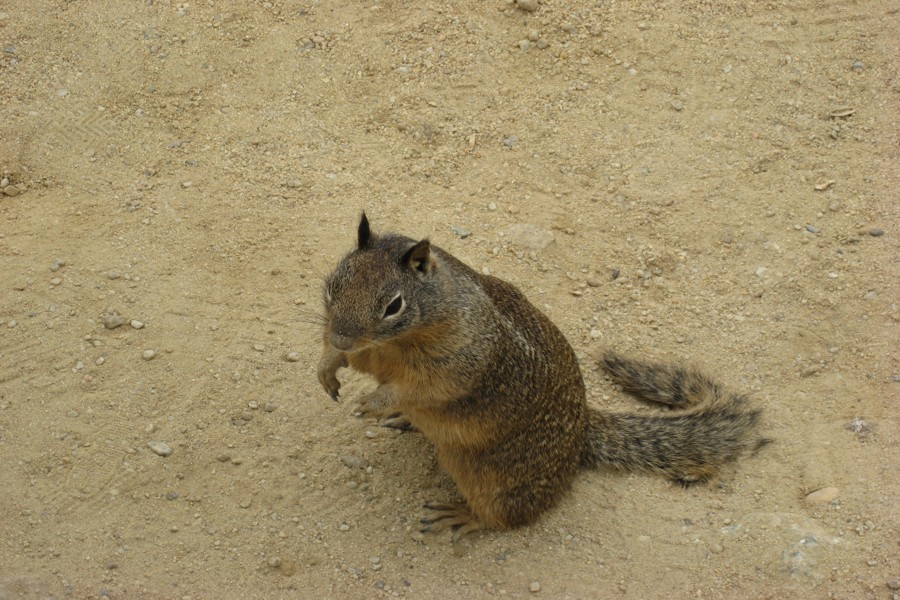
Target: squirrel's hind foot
(451, 515)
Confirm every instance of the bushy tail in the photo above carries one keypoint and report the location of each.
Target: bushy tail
(711, 428)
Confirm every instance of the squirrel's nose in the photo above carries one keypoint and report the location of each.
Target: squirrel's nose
(340, 341)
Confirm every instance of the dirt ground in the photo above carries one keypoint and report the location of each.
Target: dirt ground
(191, 170)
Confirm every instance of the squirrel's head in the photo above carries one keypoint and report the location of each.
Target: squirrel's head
(376, 292)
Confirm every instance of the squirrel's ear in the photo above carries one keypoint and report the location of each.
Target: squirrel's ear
(364, 234)
(419, 258)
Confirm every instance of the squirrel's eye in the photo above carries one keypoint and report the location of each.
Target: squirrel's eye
(395, 307)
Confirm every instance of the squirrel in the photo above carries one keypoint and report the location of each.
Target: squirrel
(468, 361)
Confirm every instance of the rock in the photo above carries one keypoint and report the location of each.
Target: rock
(527, 5)
(823, 496)
(858, 66)
(160, 448)
(113, 274)
(870, 295)
(894, 584)
(530, 237)
(292, 357)
(112, 321)
(534, 587)
(148, 354)
(513, 140)
(354, 462)
(135, 324)
(677, 105)
(11, 190)
(876, 232)
(259, 347)
(55, 281)
(462, 232)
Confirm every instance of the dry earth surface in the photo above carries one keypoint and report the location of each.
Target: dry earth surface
(192, 170)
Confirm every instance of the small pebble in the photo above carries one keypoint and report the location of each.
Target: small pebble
(354, 462)
(511, 141)
(160, 448)
(344, 527)
(716, 548)
(172, 496)
(112, 321)
(813, 229)
(677, 105)
(857, 66)
(187, 184)
(135, 324)
(870, 295)
(55, 281)
(492, 206)
(148, 354)
(462, 232)
(11, 190)
(534, 586)
(834, 206)
(894, 584)
(760, 271)
(246, 503)
(370, 435)
(269, 407)
(292, 357)
(113, 274)
(876, 232)
(259, 347)
(12, 323)
(823, 496)
(527, 5)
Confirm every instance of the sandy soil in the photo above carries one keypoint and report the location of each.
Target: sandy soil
(197, 167)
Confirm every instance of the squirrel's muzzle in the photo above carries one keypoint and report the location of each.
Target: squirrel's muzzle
(342, 342)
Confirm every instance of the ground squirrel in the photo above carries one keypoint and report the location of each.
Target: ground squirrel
(467, 360)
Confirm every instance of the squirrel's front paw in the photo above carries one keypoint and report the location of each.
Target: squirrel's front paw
(327, 372)
(380, 403)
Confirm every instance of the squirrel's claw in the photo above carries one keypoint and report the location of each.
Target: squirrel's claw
(455, 516)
